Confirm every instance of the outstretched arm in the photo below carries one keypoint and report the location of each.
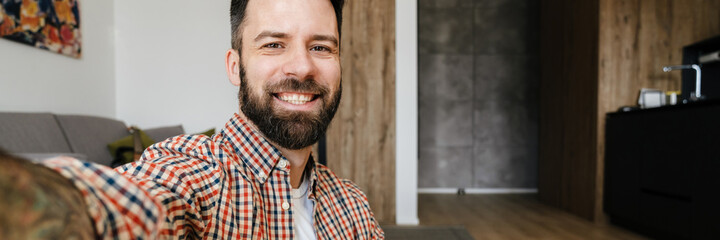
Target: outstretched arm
(149, 199)
(64, 198)
(39, 203)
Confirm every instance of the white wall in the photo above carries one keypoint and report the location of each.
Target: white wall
(36, 80)
(170, 63)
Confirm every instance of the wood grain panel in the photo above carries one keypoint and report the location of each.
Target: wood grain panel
(568, 105)
(637, 38)
(361, 139)
(632, 40)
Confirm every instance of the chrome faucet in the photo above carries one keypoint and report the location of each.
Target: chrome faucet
(697, 95)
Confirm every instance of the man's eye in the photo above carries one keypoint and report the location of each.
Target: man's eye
(272, 45)
(320, 48)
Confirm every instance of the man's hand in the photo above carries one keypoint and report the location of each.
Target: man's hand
(39, 203)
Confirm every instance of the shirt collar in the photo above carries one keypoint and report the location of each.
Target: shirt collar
(251, 147)
(310, 169)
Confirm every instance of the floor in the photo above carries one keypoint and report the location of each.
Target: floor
(426, 233)
(510, 216)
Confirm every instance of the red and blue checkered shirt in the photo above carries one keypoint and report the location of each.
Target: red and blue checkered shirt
(233, 185)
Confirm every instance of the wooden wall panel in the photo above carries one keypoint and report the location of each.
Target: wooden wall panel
(361, 139)
(637, 38)
(568, 105)
(632, 40)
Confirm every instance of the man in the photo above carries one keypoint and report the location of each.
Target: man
(256, 178)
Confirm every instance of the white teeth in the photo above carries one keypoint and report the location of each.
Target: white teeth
(296, 99)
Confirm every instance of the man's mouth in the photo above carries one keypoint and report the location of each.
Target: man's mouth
(296, 98)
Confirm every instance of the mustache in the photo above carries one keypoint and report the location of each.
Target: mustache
(295, 85)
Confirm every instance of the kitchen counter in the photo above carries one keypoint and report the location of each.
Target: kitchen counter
(698, 104)
(662, 170)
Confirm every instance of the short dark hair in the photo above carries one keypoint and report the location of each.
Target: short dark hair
(237, 16)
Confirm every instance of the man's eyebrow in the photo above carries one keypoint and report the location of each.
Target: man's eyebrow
(316, 37)
(330, 38)
(271, 34)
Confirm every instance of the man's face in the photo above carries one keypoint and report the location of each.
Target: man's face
(290, 69)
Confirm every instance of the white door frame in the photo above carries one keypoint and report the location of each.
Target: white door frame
(406, 110)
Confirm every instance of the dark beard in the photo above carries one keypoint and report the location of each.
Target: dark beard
(289, 129)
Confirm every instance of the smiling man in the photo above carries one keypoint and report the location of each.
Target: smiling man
(256, 178)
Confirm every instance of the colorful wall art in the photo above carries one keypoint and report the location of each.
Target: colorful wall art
(47, 24)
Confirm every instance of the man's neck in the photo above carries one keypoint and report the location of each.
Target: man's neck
(298, 158)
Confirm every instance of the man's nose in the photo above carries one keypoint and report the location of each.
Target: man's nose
(299, 64)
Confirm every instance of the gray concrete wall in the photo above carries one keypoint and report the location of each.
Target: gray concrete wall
(478, 89)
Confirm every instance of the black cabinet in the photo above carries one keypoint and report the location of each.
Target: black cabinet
(662, 170)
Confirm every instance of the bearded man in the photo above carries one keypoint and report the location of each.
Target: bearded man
(256, 178)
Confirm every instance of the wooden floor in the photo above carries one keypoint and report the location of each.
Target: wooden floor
(511, 216)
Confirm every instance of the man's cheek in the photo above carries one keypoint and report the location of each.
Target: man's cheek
(256, 89)
(266, 67)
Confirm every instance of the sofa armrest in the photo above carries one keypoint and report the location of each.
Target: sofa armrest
(37, 157)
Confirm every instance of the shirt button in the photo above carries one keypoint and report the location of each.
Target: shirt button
(282, 164)
(261, 174)
(285, 205)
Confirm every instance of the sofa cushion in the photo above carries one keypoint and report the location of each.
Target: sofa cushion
(161, 133)
(31, 132)
(90, 135)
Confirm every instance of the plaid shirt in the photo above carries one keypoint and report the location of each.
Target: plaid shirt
(119, 208)
(233, 185)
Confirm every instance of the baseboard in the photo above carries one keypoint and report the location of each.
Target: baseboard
(407, 221)
(477, 190)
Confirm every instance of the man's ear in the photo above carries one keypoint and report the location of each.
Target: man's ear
(232, 66)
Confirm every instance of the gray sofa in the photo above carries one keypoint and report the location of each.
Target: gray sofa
(42, 135)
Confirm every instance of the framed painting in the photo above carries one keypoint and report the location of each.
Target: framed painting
(52, 25)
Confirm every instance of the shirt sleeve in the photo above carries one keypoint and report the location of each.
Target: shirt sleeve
(119, 208)
(180, 173)
(372, 227)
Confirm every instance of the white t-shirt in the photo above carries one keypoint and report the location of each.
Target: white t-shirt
(303, 212)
